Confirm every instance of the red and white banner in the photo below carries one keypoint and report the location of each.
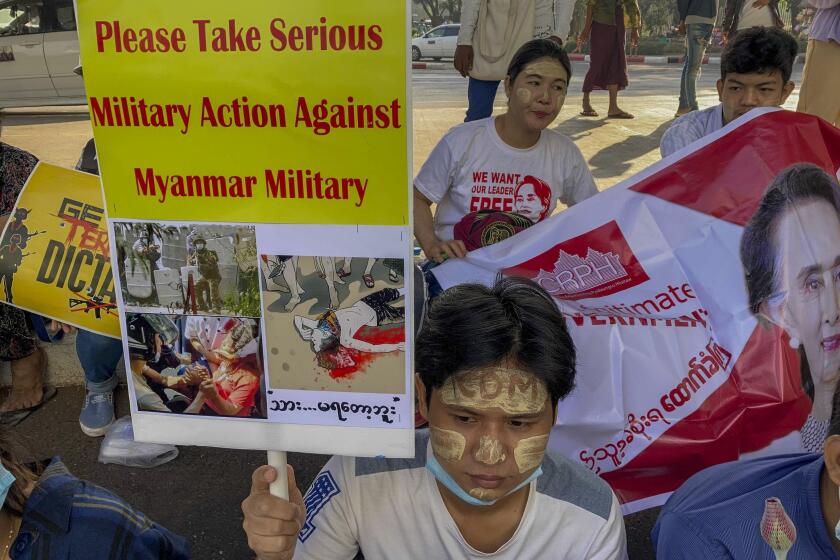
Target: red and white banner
(675, 373)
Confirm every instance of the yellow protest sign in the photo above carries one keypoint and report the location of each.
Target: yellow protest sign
(284, 112)
(54, 252)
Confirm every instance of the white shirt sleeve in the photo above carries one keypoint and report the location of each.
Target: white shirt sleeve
(679, 135)
(435, 176)
(469, 17)
(610, 543)
(580, 185)
(330, 531)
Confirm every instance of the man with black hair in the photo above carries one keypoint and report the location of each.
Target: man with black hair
(493, 364)
(755, 71)
(787, 504)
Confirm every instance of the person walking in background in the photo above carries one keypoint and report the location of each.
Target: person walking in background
(491, 32)
(604, 28)
(743, 14)
(697, 18)
(820, 91)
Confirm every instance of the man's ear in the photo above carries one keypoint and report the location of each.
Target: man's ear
(831, 457)
(507, 86)
(777, 314)
(420, 393)
(720, 90)
(787, 89)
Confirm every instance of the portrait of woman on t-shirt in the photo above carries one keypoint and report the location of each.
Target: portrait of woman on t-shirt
(511, 163)
(532, 199)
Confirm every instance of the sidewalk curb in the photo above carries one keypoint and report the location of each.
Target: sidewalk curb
(673, 59)
(430, 66)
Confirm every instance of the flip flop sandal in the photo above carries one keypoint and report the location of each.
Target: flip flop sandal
(368, 280)
(392, 276)
(15, 417)
(621, 115)
(592, 113)
(343, 273)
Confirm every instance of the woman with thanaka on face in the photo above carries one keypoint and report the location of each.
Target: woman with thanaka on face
(478, 165)
(790, 250)
(493, 364)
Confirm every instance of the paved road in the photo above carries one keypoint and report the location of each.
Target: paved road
(447, 89)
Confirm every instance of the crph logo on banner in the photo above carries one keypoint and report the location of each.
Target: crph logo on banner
(572, 274)
(597, 263)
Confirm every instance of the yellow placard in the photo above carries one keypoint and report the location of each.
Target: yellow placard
(265, 111)
(54, 251)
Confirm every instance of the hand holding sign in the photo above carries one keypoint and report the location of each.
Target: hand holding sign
(272, 523)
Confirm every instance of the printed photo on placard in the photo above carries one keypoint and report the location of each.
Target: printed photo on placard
(334, 323)
(198, 269)
(204, 365)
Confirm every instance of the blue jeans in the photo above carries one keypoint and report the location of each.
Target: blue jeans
(697, 37)
(480, 96)
(99, 356)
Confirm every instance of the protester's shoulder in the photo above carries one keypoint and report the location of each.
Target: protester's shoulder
(560, 143)
(460, 133)
(370, 467)
(695, 123)
(723, 486)
(92, 508)
(569, 482)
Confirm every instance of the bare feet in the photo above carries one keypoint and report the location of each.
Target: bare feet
(292, 303)
(27, 382)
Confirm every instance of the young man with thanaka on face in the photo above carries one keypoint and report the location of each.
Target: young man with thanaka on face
(492, 363)
(755, 71)
(470, 167)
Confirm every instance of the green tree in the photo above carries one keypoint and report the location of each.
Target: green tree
(440, 10)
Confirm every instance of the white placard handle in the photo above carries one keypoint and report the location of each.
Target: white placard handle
(280, 487)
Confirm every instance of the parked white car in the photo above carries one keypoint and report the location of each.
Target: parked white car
(438, 43)
(39, 49)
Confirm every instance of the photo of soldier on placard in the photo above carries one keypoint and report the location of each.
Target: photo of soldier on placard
(195, 269)
(335, 323)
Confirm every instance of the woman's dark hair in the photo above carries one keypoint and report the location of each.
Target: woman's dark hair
(534, 49)
(759, 50)
(797, 184)
(515, 323)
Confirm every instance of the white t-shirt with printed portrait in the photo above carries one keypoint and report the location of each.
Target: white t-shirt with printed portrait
(472, 169)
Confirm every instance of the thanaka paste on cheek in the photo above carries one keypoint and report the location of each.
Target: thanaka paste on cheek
(490, 451)
(524, 95)
(514, 391)
(447, 445)
(529, 452)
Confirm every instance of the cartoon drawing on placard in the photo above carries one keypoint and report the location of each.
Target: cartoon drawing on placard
(196, 364)
(198, 269)
(334, 329)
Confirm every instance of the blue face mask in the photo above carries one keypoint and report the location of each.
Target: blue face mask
(443, 477)
(6, 481)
